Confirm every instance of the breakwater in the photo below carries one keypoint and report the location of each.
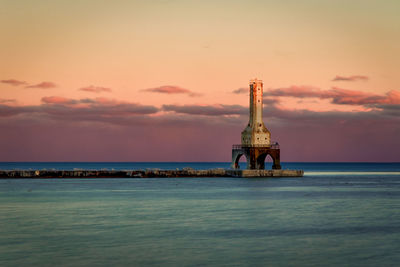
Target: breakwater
(148, 173)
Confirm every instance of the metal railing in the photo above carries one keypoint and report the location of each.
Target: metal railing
(273, 145)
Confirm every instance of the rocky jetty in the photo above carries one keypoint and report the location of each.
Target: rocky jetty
(148, 173)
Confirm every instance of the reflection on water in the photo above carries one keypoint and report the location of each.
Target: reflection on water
(320, 219)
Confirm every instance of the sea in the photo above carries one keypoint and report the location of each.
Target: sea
(338, 214)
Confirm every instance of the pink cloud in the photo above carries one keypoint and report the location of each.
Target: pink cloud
(337, 95)
(13, 82)
(371, 135)
(120, 127)
(393, 96)
(351, 97)
(43, 85)
(57, 100)
(95, 89)
(350, 78)
(168, 89)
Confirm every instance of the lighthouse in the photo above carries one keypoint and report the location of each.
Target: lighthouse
(255, 132)
(256, 142)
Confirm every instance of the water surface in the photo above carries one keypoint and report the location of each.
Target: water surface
(337, 214)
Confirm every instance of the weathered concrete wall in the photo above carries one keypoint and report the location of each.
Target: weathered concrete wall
(255, 132)
(149, 173)
(265, 173)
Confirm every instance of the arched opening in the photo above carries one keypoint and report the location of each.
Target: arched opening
(239, 162)
(265, 161)
(268, 162)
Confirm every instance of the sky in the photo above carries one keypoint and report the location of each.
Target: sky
(167, 80)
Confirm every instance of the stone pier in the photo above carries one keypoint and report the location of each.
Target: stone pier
(149, 173)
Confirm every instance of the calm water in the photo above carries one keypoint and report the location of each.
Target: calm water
(337, 214)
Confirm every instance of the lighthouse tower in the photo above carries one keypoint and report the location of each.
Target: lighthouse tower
(256, 142)
(255, 132)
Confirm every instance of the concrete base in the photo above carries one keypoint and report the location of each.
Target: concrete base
(265, 173)
(149, 173)
(255, 156)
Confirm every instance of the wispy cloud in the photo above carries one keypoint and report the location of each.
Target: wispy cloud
(301, 91)
(95, 89)
(99, 109)
(271, 101)
(2, 101)
(241, 91)
(352, 78)
(43, 85)
(13, 82)
(93, 109)
(169, 89)
(207, 110)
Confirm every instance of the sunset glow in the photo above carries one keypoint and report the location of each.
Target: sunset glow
(168, 80)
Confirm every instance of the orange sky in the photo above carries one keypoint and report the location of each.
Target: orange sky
(206, 49)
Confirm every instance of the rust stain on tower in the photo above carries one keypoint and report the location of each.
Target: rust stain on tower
(256, 138)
